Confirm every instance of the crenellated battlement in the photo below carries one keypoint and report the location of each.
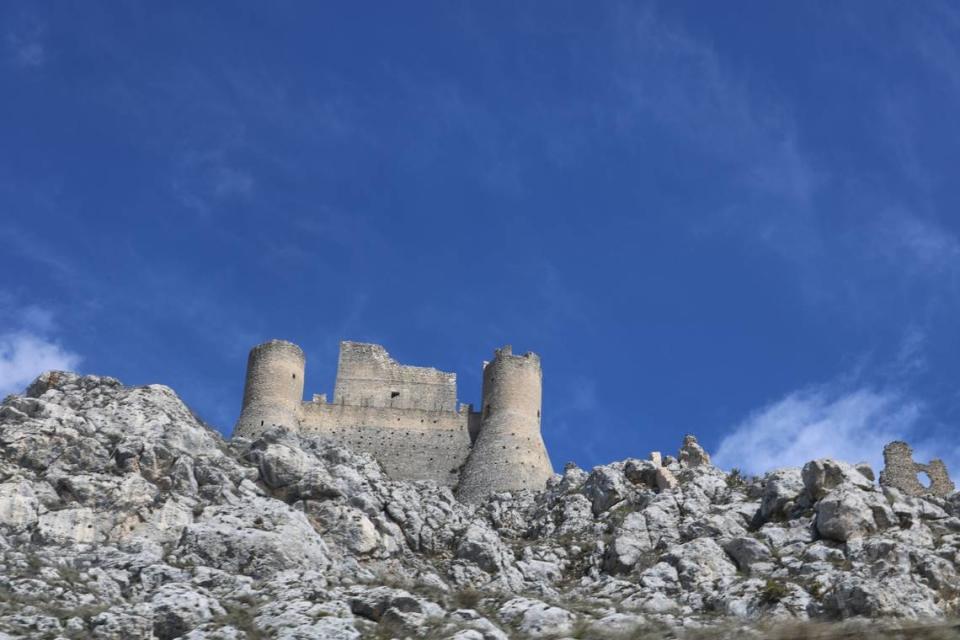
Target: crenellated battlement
(408, 417)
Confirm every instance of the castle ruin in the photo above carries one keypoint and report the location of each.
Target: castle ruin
(901, 471)
(407, 417)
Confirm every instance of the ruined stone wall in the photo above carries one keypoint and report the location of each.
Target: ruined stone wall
(273, 390)
(367, 376)
(411, 444)
(509, 453)
(900, 471)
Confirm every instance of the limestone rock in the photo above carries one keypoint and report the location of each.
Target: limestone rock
(122, 516)
(605, 487)
(748, 553)
(484, 548)
(537, 619)
(822, 476)
(178, 609)
(780, 491)
(692, 454)
(18, 505)
(849, 512)
(257, 538)
(642, 472)
(700, 561)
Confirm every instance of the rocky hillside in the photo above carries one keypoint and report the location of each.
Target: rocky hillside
(123, 516)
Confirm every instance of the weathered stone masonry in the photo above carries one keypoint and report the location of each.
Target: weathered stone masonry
(900, 471)
(408, 417)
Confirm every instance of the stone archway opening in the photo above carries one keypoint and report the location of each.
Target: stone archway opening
(924, 479)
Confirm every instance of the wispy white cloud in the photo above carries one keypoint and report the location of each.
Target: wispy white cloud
(781, 197)
(851, 424)
(916, 245)
(682, 82)
(935, 41)
(27, 347)
(26, 47)
(849, 418)
(206, 179)
(25, 355)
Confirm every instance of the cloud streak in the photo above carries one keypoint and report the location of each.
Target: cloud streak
(848, 418)
(25, 355)
(27, 347)
(818, 422)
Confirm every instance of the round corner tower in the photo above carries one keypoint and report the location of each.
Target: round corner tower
(273, 391)
(509, 453)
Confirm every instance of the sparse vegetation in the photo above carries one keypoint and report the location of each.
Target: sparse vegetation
(241, 614)
(773, 592)
(467, 598)
(736, 479)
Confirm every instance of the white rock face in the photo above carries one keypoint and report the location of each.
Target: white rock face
(849, 511)
(781, 488)
(535, 618)
(123, 516)
(18, 505)
(822, 476)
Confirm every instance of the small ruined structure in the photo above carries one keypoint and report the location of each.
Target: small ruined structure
(900, 472)
(407, 417)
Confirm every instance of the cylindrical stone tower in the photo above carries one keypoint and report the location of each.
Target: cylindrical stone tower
(509, 453)
(274, 389)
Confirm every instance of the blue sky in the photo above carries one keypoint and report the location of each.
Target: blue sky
(737, 220)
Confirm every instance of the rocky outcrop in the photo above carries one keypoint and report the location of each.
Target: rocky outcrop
(123, 516)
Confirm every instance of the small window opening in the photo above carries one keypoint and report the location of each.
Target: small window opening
(538, 413)
(394, 394)
(261, 423)
(294, 376)
(924, 479)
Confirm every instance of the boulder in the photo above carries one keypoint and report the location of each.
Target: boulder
(604, 488)
(178, 608)
(484, 548)
(780, 491)
(537, 619)
(692, 454)
(822, 476)
(256, 538)
(849, 512)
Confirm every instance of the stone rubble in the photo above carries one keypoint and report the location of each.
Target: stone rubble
(124, 516)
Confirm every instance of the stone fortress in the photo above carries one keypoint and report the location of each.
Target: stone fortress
(408, 417)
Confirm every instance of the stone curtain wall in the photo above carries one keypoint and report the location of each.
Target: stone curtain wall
(411, 444)
(368, 376)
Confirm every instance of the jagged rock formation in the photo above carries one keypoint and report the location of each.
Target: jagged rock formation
(123, 516)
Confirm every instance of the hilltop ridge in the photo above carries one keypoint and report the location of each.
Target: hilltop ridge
(123, 516)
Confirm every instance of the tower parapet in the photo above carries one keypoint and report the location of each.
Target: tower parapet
(509, 453)
(273, 391)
